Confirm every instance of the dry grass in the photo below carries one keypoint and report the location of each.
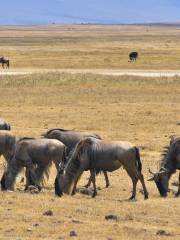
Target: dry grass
(83, 46)
(141, 110)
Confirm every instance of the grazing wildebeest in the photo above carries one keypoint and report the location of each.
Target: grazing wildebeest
(169, 164)
(133, 56)
(4, 62)
(4, 125)
(70, 138)
(97, 155)
(36, 155)
(7, 144)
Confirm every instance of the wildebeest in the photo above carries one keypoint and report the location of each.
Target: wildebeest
(169, 164)
(133, 56)
(97, 155)
(7, 144)
(70, 138)
(4, 125)
(4, 62)
(29, 153)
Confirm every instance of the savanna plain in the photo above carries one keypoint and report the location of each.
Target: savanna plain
(144, 111)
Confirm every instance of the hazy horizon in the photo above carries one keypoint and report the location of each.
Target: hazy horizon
(39, 12)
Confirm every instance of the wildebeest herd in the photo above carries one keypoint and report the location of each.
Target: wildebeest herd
(74, 152)
(133, 56)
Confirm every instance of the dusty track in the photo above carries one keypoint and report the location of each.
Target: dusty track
(114, 72)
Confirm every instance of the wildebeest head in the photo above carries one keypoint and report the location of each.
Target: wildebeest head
(161, 179)
(57, 186)
(62, 184)
(71, 171)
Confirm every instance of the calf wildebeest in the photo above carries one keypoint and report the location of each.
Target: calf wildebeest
(7, 144)
(4, 62)
(97, 155)
(169, 164)
(29, 153)
(70, 138)
(133, 56)
(4, 125)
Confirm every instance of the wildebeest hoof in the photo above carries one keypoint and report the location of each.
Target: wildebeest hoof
(39, 188)
(177, 194)
(73, 193)
(33, 189)
(94, 194)
(132, 198)
(146, 196)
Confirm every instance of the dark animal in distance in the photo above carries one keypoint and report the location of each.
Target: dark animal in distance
(133, 56)
(169, 164)
(70, 138)
(97, 155)
(29, 153)
(4, 62)
(4, 125)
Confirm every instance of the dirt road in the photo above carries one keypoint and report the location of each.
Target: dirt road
(114, 72)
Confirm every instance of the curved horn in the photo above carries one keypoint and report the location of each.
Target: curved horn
(151, 172)
(151, 179)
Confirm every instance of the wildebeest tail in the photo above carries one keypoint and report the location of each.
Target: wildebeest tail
(139, 164)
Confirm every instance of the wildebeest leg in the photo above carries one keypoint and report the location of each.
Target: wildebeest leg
(106, 179)
(178, 192)
(134, 177)
(93, 176)
(75, 184)
(134, 181)
(11, 176)
(40, 170)
(32, 176)
(89, 182)
(141, 178)
(27, 179)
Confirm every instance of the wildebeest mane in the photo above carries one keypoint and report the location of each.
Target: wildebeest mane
(164, 154)
(168, 154)
(73, 164)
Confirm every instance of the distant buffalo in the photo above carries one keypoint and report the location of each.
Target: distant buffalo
(4, 62)
(133, 56)
(4, 125)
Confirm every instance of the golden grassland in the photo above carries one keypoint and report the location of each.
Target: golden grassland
(91, 46)
(144, 111)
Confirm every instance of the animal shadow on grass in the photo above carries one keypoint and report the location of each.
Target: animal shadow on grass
(89, 192)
